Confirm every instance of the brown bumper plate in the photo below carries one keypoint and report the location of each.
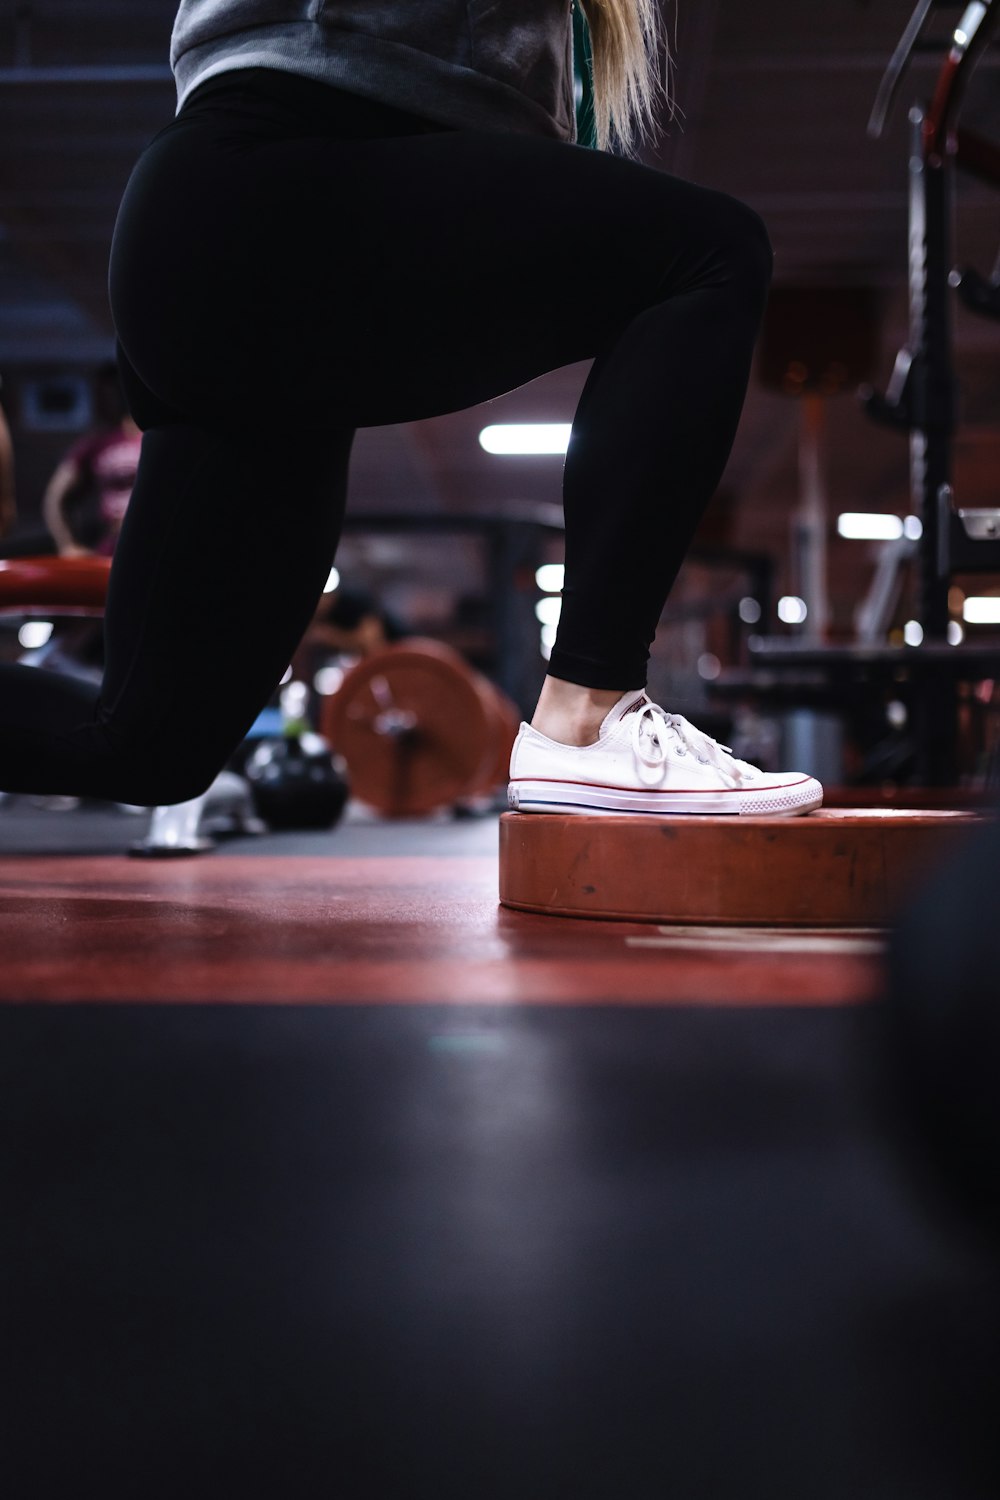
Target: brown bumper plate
(836, 867)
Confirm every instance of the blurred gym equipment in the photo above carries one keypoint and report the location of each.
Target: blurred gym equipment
(67, 585)
(419, 729)
(507, 549)
(226, 808)
(921, 400)
(922, 397)
(296, 782)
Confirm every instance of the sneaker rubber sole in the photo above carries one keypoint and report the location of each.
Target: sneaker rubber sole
(790, 799)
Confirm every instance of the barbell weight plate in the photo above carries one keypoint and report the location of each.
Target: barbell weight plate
(57, 581)
(506, 723)
(416, 726)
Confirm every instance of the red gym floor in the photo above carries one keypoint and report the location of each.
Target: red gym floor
(403, 929)
(322, 1175)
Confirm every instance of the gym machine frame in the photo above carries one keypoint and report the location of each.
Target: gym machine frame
(921, 399)
(922, 393)
(922, 396)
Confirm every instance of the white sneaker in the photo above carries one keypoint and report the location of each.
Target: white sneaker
(648, 761)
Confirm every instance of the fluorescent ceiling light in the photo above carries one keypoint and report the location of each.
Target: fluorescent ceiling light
(526, 437)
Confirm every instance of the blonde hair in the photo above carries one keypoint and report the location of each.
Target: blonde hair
(626, 40)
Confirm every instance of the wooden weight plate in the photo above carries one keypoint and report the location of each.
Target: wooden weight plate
(832, 868)
(63, 582)
(416, 726)
(506, 722)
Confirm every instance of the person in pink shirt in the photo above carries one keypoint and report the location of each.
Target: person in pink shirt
(105, 462)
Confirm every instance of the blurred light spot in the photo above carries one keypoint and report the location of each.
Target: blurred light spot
(982, 611)
(526, 437)
(327, 680)
(35, 633)
(913, 632)
(548, 610)
(863, 526)
(549, 578)
(956, 635)
(791, 609)
(295, 700)
(913, 528)
(333, 582)
(750, 611)
(896, 713)
(547, 640)
(709, 666)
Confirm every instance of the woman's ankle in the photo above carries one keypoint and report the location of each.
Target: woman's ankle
(571, 714)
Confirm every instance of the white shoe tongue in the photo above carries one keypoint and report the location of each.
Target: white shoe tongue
(633, 703)
(628, 703)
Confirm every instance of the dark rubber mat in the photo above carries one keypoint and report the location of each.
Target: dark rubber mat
(489, 1252)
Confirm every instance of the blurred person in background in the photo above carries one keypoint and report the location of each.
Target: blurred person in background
(102, 467)
(352, 622)
(8, 504)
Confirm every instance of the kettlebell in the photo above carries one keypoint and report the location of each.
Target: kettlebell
(297, 782)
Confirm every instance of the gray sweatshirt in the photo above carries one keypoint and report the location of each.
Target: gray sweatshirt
(479, 64)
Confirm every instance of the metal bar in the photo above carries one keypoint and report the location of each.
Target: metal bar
(893, 75)
(935, 717)
(931, 211)
(970, 37)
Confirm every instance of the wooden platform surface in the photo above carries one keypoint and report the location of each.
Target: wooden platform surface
(834, 868)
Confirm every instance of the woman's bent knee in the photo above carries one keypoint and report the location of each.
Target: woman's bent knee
(725, 245)
(748, 248)
(740, 245)
(759, 250)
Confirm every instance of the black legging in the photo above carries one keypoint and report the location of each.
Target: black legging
(291, 263)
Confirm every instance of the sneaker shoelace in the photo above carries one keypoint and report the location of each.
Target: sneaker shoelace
(652, 730)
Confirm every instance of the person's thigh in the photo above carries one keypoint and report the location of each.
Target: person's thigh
(392, 279)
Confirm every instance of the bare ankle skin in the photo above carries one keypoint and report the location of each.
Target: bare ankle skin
(570, 714)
